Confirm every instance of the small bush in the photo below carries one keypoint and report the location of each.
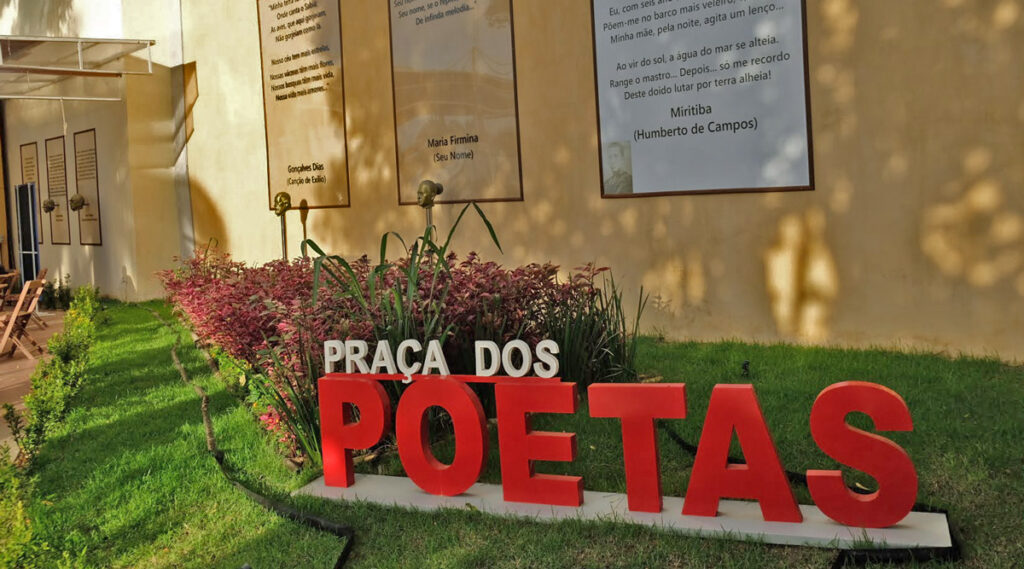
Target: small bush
(72, 345)
(20, 547)
(57, 294)
(57, 380)
(16, 537)
(225, 302)
(54, 384)
(86, 301)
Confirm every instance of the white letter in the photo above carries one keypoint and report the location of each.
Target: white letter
(435, 359)
(382, 359)
(403, 362)
(485, 348)
(546, 350)
(355, 356)
(332, 353)
(506, 358)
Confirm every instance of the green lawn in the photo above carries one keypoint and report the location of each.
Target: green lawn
(128, 479)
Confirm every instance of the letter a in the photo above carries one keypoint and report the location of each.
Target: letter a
(734, 408)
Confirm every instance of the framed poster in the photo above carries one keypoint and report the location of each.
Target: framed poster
(456, 109)
(57, 190)
(702, 97)
(304, 101)
(87, 182)
(30, 175)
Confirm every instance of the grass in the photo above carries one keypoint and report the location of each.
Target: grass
(128, 480)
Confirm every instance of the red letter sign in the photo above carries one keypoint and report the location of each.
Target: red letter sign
(519, 446)
(412, 430)
(735, 407)
(339, 434)
(877, 456)
(638, 406)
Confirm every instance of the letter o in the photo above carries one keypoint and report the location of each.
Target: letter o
(412, 431)
(506, 358)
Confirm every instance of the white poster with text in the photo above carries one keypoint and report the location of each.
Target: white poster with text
(702, 96)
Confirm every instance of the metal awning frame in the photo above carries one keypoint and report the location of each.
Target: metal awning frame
(39, 77)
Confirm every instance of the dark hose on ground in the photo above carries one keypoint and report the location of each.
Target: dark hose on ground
(285, 511)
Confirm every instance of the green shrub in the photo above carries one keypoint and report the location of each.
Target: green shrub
(16, 536)
(86, 301)
(56, 381)
(54, 384)
(73, 344)
(20, 547)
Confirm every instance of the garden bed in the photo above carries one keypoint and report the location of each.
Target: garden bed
(127, 481)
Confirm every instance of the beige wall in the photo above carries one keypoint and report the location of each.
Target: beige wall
(914, 236)
(153, 151)
(227, 152)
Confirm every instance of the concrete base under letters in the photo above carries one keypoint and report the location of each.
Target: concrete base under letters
(736, 520)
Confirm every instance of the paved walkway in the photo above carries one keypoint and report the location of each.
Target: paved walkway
(15, 372)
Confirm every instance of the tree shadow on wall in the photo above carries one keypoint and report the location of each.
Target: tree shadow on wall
(41, 17)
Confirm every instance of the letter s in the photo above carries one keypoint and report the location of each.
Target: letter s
(872, 454)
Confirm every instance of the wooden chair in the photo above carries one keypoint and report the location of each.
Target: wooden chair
(9, 297)
(7, 281)
(15, 323)
(38, 320)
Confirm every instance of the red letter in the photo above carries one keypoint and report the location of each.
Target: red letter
(340, 435)
(735, 407)
(412, 429)
(877, 456)
(520, 446)
(638, 406)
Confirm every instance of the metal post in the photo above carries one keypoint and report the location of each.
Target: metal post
(284, 238)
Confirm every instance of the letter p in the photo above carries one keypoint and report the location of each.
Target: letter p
(334, 350)
(338, 394)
